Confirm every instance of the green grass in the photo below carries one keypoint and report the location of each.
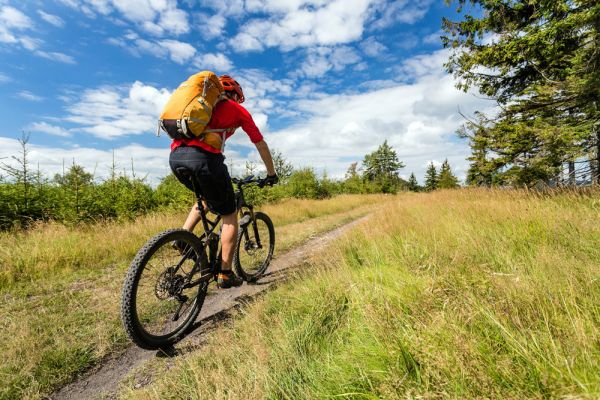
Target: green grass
(60, 287)
(454, 294)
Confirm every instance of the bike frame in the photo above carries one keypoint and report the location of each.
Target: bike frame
(243, 208)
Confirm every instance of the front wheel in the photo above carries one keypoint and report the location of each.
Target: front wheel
(162, 294)
(254, 247)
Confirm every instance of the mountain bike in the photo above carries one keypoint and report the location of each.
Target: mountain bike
(168, 279)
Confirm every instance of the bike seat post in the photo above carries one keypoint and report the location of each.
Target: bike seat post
(185, 172)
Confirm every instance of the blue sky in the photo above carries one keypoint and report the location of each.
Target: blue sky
(326, 81)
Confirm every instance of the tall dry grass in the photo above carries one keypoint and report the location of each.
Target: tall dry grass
(60, 287)
(459, 294)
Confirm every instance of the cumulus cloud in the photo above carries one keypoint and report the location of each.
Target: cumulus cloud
(306, 23)
(211, 26)
(178, 52)
(418, 118)
(151, 163)
(156, 17)
(111, 112)
(320, 60)
(52, 19)
(294, 24)
(434, 38)
(398, 11)
(147, 161)
(372, 47)
(212, 61)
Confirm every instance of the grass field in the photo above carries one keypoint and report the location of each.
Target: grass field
(454, 294)
(60, 287)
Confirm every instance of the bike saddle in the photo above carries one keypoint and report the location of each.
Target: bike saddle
(187, 174)
(183, 171)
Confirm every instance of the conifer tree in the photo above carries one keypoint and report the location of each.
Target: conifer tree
(413, 185)
(446, 179)
(539, 60)
(431, 178)
(381, 167)
(282, 167)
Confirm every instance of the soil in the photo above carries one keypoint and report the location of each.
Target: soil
(102, 381)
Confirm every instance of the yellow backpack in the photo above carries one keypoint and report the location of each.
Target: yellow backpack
(190, 107)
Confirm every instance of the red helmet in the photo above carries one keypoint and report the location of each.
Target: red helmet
(230, 84)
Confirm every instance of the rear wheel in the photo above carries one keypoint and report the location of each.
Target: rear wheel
(158, 305)
(254, 247)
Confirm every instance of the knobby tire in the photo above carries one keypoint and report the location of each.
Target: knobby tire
(162, 242)
(242, 256)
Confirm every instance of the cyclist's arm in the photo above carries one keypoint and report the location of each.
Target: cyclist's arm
(265, 154)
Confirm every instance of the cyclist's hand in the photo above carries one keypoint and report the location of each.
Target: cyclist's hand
(271, 180)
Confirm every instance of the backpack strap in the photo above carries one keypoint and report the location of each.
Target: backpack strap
(223, 133)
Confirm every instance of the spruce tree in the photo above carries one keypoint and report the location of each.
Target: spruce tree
(431, 178)
(539, 60)
(413, 185)
(283, 168)
(446, 179)
(381, 167)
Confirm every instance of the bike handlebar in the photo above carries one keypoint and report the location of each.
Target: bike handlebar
(249, 180)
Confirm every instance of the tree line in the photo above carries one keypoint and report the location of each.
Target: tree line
(539, 61)
(73, 196)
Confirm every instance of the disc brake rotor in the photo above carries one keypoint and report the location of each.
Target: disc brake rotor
(169, 284)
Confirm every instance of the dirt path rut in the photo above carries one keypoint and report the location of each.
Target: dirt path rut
(102, 381)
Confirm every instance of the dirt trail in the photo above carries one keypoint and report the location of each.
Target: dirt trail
(102, 381)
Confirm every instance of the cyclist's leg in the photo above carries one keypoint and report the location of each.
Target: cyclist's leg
(194, 217)
(194, 161)
(227, 278)
(228, 237)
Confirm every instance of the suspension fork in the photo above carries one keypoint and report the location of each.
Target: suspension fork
(254, 227)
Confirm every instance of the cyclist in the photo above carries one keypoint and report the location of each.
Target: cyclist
(211, 173)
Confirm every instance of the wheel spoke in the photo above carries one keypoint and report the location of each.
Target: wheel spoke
(164, 302)
(255, 247)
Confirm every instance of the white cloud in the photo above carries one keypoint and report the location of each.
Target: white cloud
(10, 17)
(398, 11)
(295, 25)
(178, 52)
(372, 47)
(45, 127)
(210, 26)
(56, 56)
(259, 90)
(215, 62)
(4, 78)
(418, 118)
(156, 17)
(52, 19)
(11, 22)
(306, 23)
(174, 21)
(111, 112)
(320, 60)
(433, 38)
(26, 95)
(150, 161)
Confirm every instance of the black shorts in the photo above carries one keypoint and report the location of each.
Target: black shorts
(211, 175)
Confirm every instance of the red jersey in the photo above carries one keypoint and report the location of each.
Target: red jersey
(227, 115)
